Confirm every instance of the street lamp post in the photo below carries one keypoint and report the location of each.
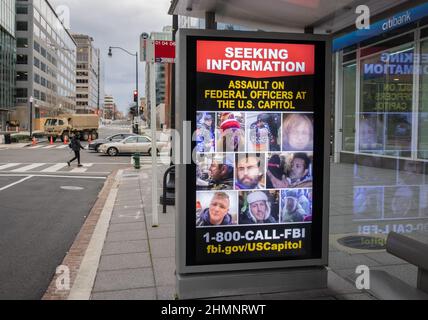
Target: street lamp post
(110, 54)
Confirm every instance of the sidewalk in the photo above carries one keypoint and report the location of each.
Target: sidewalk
(137, 260)
(129, 259)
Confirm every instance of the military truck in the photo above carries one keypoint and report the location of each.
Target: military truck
(67, 125)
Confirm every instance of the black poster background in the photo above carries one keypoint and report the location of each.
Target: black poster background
(315, 87)
(221, 82)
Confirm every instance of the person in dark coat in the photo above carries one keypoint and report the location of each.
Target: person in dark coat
(75, 146)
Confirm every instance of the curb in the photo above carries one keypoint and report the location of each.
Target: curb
(82, 249)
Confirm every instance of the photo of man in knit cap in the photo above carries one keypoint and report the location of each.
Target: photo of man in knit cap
(258, 207)
(296, 205)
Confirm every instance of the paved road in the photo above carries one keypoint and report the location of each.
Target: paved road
(40, 216)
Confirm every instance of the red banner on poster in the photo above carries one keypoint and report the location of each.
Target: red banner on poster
(255, 60)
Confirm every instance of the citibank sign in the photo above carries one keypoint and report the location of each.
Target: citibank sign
(382, 26)
(397, 21)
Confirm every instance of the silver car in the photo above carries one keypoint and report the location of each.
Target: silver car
(133, 144)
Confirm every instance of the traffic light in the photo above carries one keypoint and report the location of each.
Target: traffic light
(135, 96)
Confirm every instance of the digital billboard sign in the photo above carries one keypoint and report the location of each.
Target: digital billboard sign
(255, 187)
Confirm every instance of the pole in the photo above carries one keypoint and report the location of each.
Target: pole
(138, 94)
(155, 221)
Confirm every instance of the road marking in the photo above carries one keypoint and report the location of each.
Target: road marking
(96, 163)
(53, 176)
(62, 172)
(35, 147)
(55, 167)
(62, 147)
(29, 167)
(82, 169)
(9, 165)
(49, 147)
(15, 183)
(79, 170)
(72, 188)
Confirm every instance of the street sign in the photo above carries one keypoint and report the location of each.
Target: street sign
(256, 193)
(157, 51)
(164, 51)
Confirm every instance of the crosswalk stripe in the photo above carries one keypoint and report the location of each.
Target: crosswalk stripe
(55, 167)
(83, 169)
(35, 147)
(29, 167)
(49, 147)
(9, 165)
(63, 146)
(79, 170)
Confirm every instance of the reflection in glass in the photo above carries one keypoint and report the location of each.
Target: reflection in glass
(348, 103)
(368, 203)
(386, 103)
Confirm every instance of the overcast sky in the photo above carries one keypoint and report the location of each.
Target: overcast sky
(118, 23)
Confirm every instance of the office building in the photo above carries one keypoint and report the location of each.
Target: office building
(46, 63)
(109, 107)
(87, 75)
(7, 60)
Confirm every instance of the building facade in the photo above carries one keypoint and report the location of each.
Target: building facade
(87, 75)
(7, 60)
(382, 90)
(46, 63)
(109, 107)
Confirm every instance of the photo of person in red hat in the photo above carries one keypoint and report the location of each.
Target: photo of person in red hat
(230, 132)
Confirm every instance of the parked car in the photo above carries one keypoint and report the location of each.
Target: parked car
(142, 144)
(94, 145)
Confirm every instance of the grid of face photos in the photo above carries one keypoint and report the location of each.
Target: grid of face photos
(253, 168)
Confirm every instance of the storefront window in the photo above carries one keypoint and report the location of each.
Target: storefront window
(385, 125)
(423, 103)
(348, 102)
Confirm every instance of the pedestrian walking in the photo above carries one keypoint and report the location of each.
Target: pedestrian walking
(75, 146)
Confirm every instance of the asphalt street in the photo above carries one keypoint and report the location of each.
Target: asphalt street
(43, 205)
(40, 220)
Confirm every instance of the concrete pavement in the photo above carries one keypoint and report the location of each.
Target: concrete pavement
(137, 261)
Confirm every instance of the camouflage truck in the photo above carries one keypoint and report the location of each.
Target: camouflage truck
(67, 125)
